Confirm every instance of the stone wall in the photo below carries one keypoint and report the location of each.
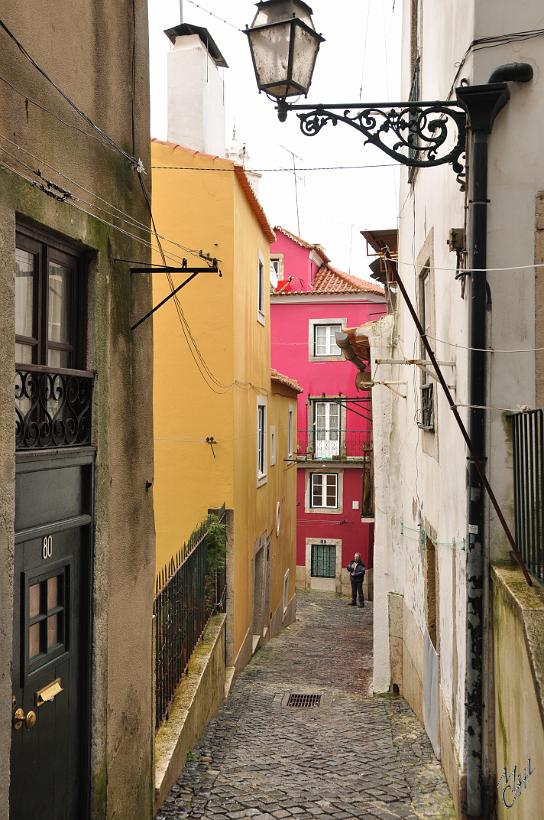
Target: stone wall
(88, 48)
(518, 625)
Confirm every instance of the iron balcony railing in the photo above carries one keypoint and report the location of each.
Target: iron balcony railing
(333, 444)
(188, 591)
(528, 451)
(53, 407)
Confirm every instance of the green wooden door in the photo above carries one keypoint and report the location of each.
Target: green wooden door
(50, 738)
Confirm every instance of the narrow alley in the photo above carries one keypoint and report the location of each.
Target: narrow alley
(354, 756)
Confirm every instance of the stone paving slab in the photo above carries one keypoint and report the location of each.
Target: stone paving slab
(353, 757)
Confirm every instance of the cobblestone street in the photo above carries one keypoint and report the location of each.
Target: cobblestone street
(353, 757)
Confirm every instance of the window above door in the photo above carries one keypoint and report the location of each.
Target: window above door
(53, 392)
(49, 292)
(324, 492)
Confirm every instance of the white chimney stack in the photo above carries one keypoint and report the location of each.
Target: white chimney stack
(196, 104)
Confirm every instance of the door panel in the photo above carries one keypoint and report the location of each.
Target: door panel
(50, 657)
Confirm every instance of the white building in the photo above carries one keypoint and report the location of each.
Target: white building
(441, 659)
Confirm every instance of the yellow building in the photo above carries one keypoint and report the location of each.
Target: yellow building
(224, 423)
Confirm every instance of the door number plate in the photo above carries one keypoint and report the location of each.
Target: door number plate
(47, 547)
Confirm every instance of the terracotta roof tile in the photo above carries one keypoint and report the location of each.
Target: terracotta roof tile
(331, 280)
(286, 381)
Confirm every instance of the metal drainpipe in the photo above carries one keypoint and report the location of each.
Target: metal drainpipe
(482, 104)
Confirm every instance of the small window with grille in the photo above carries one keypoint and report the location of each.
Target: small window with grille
(426, 415)
(426, 389)
(323, 561)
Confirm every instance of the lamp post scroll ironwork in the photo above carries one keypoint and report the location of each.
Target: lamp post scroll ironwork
(284, 47)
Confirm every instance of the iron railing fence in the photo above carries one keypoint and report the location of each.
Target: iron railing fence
(528, 451)
(52, 407)
(333, 443)
(188, 591)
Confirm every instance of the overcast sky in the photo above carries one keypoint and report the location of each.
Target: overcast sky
(361, 49)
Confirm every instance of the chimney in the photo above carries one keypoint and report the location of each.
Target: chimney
(196, 104)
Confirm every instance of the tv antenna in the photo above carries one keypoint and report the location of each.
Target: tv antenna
(294, 158)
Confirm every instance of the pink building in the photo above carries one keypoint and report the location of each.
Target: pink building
(312, 301)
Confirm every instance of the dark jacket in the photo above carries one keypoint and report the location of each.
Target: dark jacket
(356, 571)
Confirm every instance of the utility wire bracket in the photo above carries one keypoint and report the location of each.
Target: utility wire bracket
(213, 268)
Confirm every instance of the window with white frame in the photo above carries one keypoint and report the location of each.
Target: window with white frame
(325, 340)
(290, 431)
(260, 290)
(261, 439)
(276, 269)
(324, 490)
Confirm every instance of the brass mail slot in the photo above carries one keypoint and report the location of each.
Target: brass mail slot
(49, 692)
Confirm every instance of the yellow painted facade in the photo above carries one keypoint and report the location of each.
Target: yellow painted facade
(220, 330)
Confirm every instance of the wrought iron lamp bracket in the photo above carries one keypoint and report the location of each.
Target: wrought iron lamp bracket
(417, 134)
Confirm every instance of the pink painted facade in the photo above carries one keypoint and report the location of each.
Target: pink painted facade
(333, 440)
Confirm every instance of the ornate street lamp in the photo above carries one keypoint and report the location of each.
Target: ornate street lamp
(284, 46)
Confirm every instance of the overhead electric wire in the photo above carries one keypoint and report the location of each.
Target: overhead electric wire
(103, 135)
(177, 304)
(277, 170)
(73, 202)
(468, 271)
(43, 184)
(40, 182)
(217, 17)
(209, 378)
(494, 41)
(487, 349)
(119, 213)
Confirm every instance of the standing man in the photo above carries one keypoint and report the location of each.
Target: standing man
(356, 570)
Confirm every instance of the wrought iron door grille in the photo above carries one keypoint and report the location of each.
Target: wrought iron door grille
(323, 561)
(301, 701)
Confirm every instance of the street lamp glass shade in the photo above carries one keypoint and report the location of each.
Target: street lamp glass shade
(284, 46)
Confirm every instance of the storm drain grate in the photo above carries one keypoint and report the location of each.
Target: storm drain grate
(299, 701)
